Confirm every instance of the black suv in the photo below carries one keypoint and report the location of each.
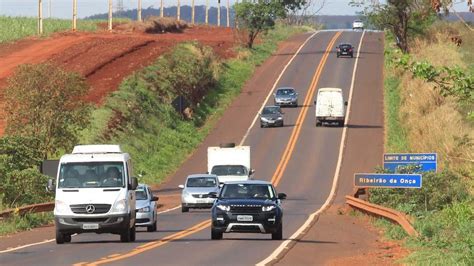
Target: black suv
(345, 49)
(247, 207)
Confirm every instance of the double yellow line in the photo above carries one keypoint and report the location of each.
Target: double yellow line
(275, 179)
(301, 117)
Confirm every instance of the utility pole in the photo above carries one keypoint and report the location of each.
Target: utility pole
(49, 9)
(192, 12)
(110, 15)
(161, 9)
(218, 13)
(178, 11)
(74, 15)
(207, 12)
(139, 11)
(228, 14)
(40, 17)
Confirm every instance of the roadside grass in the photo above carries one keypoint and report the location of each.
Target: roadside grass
(395, 135)
(15, 28)
(166, 140)
(27, 222)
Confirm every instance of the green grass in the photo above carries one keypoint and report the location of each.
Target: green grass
(396, 139)
(14, 28)
(27, 222)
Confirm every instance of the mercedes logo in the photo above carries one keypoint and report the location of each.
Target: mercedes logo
(90, 208)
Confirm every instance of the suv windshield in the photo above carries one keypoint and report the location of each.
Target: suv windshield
(141, 194)
(91, 175)
(247, 191)
(271, 110)
(345, 46)
(201, 182)
(221, 170)
(285, 92)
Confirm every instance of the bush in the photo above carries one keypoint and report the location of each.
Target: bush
(23, 187)
(46, 102)
(154, 24)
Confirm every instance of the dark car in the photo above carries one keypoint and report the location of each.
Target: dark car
(286, 96)
(345, 49)
(271, 116)
(251, 206)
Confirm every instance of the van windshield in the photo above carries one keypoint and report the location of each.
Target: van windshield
(91, 175)
(222, 170)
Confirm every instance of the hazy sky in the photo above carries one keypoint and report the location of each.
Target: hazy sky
(63, 8)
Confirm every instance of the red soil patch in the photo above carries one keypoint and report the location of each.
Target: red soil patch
(104, 58)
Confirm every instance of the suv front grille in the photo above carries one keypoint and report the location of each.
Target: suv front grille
(246, 209)
(97, 208)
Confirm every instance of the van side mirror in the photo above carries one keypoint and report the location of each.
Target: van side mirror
(221, 185)
(134, 183)
(212, 195)
(252, 171)
(154, 198)
(346, 103)
(281, 196)
(50, 185)
(181, 186)
(314, 102)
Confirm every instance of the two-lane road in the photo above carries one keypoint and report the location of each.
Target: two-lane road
(299, 158)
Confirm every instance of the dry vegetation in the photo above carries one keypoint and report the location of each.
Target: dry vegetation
(154, 25)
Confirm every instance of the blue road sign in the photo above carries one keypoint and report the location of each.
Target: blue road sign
(388, 180)
(410, 162)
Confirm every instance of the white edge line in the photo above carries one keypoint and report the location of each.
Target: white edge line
(25, 246)
(326, 204)
(168, 210)
(274, 86)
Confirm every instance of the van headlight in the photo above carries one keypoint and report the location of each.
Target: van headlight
(61, 206)
(120, 206)
(268, 208)
(144, 209)
(223, 207)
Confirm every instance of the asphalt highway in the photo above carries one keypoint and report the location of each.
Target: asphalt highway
(300, 159)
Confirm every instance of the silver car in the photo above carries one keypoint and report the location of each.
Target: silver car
(196, 191)
(286, 96)
(146, 208)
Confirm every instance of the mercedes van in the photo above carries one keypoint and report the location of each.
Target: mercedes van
(330, 107)
(95, 193)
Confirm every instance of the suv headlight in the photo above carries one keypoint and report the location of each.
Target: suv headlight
(280, 118)
(61, 206)
(120, 206)
(223, 207)
(144, 209)
(268, 208)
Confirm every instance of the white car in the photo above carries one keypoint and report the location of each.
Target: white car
(146, 208)
(196, 191)
(358, 25)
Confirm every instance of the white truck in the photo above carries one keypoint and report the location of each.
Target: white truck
(229, 162)
(330, 106)
(95, 193)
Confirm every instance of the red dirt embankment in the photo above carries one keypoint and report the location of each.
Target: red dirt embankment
(104, 58)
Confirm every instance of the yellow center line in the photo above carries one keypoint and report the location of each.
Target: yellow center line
(299, 122)
(275, 179)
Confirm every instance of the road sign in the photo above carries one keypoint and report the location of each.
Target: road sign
(388, 180)
(410, 162)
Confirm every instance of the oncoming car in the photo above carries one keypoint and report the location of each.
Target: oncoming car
(286, 96)
(251, 206)
(196, 191)
(146, 208)
(358, 25)
(345, 49)
(271, 116)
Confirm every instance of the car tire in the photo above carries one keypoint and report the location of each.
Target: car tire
(340, 123)
(318, 123)
(152, 228)
(261, 125)
(67, 238)
(282, 124)
(184, 209)
(278, 235)
(215, 235)
(352, 56)
(133, 234)
(60, 237)
(127, 235)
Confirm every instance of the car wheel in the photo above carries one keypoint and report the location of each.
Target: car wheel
(60, 237)
(184, 209)
(340, 123)
(152, 228)
(215, 235)
(126, 236)
(352, 56)
(67, 238)
(261, 125)
(282, 124)
(133, 234)
(318, 124)
(278, 235)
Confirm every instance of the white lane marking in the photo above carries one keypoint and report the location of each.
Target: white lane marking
(243, 139)
(331, 196)
(273, 88)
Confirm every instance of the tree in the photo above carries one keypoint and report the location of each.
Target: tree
(403, 18)
(259, 16)
(46, 102)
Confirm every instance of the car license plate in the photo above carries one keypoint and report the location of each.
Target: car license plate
(244, 218)
(200, 201)
(90, 226)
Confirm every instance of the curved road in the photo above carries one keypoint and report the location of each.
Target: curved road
(299, 158)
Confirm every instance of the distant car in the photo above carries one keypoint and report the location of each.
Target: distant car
(345, 49)
(271, 116)
(196, 191)
(286, 96)
(358, 25)
(251, 206)
(146, 208)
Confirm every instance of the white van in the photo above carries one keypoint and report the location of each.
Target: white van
(95, 192)
(229, 162)
(330, 106)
